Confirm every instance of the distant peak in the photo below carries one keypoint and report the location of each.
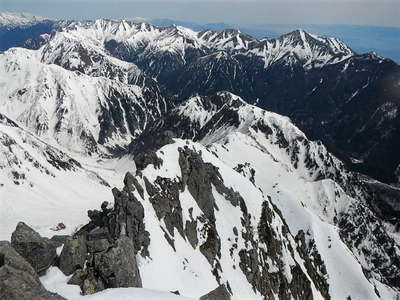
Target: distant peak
(13, 18)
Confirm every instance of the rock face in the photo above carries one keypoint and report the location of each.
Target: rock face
(109, 263)
(118, 265)
(18, 280)
(73, 255)
(102, 254)
(203, 180)
(39, 252)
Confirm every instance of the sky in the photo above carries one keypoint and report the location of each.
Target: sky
(355, 12)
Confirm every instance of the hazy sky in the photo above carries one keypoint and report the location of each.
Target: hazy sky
(358, 12)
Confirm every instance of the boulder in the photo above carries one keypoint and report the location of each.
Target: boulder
(98, 245)
(18, 279)
(220, 293)
(38, 251)
(73, 255)
(78, 278)
(92, 284)
(59, 240)
(118, 266)
(11, 258)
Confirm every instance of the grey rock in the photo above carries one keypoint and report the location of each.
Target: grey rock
(39, 252)
(97, 245)
(18, 279)
(191, 233)
(128, 216)
(220, 293)
(142, 160)
(73, 255)
(10, 257)
(164, 196)
(198, 176)
(59, 240)
(118, 266)
(211, 248)
(92, 284)
(78, 278)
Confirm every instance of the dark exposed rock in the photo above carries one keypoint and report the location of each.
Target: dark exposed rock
(117, 266)
(92, 283)
(164, 196)
(191, 233)
(14, 260)
(264, 280)
(144, 159)
(78, 277)
(211, 248)
(384, 200)
(131, 184)
(97, 245)
(313, 263)
(39, 252)
(198, 176)
(175, 292)
(220, 293)
(145, 147)
(108, 244)
(18, 279)
(128, 216)
(59, 240)
(73, 255)
(300, 286)
(149, 142)
(112, 267)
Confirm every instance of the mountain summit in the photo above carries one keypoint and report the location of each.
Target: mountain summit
(18, 19)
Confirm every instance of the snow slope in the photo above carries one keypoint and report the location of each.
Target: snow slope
(56, 281)
(43, 186)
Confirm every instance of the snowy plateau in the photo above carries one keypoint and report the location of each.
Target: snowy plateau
(208, 197)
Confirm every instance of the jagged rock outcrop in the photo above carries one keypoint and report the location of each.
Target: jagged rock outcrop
(200, 178)
(18, 279)
(73, 255)
(118, 265)
(108, 265)
(39, 252)
(102, 254)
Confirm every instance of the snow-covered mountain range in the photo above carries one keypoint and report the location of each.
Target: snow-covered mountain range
(18, 19)
(222, 198)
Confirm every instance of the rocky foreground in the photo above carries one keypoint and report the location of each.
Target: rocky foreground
(100, 255)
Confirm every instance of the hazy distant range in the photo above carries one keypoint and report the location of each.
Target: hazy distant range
(383, 40)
